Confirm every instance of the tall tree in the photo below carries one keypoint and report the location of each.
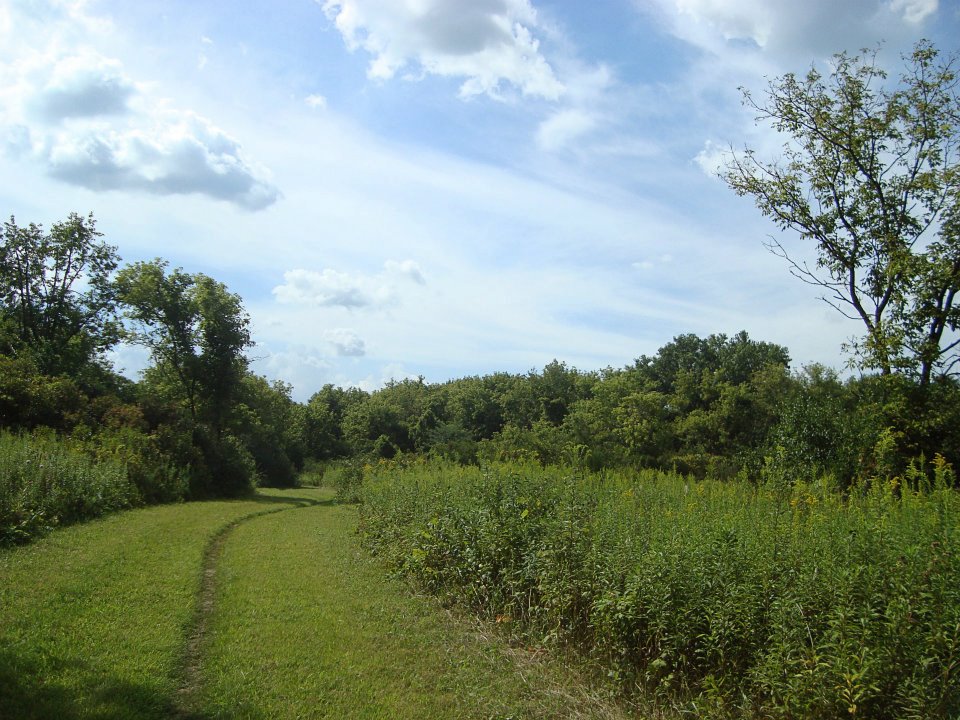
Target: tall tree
(196, 331)
(56, 299)
(869, 174)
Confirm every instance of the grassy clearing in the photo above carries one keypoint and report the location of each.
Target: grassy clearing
(96, 621)
(306, 625)
(93, 617)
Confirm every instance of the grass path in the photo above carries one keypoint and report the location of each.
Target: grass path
(260, 608)
(93, 618)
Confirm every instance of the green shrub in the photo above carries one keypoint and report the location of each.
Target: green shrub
(346, 477)
(725, 599)
(158, 477)
(45, 483)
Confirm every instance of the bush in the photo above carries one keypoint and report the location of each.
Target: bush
(45, 483)
(158, 477)
(725, 599)
(346, 477)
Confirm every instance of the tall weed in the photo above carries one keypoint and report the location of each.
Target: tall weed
(45, 483)
(724, 599)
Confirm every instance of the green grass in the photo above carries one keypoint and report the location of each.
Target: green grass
(95, 621)
(307, 625)
(93, 617)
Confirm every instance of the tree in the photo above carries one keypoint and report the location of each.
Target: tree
(56, 299)
(870, 175)
(196, 331)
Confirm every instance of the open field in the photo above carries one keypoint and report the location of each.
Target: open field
(257, 608)
(716, 599)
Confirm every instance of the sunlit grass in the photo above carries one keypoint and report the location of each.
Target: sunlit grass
(94, 621)
(93, 617)
(308, 626)
(716, 598)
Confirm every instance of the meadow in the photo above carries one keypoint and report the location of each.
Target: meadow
(262, 607)
(714, 599)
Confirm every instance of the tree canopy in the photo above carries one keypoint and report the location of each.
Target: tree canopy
(56, 298)
(869, 173)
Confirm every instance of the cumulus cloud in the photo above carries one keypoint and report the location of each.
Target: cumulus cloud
(316, 101)
(78, 114)
(181, 154)
(487, 42)
(83, 85)
(331, 288)
(328, 288)
(345, 342)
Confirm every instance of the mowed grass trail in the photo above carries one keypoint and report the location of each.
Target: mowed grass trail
(308, 626)
(93, 618)
(96, 622)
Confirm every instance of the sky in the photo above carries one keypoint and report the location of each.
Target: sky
(436, 188)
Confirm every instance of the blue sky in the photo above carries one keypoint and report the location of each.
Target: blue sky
(433, 187)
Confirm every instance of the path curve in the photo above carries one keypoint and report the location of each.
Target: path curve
(205, 604)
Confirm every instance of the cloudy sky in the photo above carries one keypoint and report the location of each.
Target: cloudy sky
(433, 187)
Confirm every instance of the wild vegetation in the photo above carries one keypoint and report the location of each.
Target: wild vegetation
(718, 598)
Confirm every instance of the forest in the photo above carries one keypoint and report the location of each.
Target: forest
(199, 423)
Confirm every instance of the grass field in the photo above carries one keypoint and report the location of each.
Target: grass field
(260, 608)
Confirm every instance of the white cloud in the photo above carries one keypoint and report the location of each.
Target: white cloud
(81, 85)
(346, 342)
(914, 11)
(87, 123)
(316, 101)
(563, 127)
(330, 288)
(789, 30)
(393, 372)
(711, 158)
(179, 154)
(487, 42)
(407, 268)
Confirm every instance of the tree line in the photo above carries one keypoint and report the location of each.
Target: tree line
(196, 423)
(717, 406)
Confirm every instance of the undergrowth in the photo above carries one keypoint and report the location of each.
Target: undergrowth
(45, 483)
(720, 599)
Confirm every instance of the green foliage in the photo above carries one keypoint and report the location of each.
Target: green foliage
(272, 428)
(346, 477)
(194, 328)
(56, 298)
(869, 174)
(723, 599)
(45, 483)
(196, 332)
(29, 399)
(156, 473)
